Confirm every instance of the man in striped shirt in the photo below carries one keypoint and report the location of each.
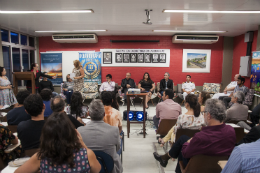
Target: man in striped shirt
(244, 158)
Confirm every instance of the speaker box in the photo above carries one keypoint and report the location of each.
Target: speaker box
(134, 116)
(249, 36)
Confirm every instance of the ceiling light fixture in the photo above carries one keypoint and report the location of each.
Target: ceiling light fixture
(183, 31)
(209, 11)
(46, 12)
(67, 31)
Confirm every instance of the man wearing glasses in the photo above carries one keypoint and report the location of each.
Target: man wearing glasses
(108, 85)
(166, 83)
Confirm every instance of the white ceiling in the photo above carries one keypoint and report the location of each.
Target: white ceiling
(125, 17)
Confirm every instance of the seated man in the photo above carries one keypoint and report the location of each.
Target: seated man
(18, 114)
(46, 95)
(252, 136)
(188, 87)
(127, 83)
(58, 105)
(45, 83)
(240, 87)
(29, 132)
(216, 139)
(112, 116)
(166, 83)
(100, 136)
(244, 158)
(167, 109)
(237, 111)
(229, 89)
(108, 85)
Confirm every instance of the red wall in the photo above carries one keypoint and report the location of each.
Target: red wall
(156, 73)
(240, 50)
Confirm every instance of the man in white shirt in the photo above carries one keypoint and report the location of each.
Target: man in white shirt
(229, 89)
(188, 87)
(108, 85)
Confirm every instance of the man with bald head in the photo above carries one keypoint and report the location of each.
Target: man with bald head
(127, 83)
(229, 89)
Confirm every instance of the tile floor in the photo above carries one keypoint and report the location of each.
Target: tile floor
(138, 154)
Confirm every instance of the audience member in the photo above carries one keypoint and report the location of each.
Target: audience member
(238, 111)
(147, 85)
(29, 131)
(229, 89)
(76, 108)
(252, 136)
(112, 116)
(46, 95)
(127, 83)
(216, 139)
(108, 85)
(244, 158)
(62, 149)
(192, 119)
(68, 88)
(188, 87)
(18, 114)
(165, 83)
(45, 83)
(203, 97)
(167, 109)
(7, 139)
(107, 140)
(240, 87)
(255, 115)
(58, 105)
(114, 104)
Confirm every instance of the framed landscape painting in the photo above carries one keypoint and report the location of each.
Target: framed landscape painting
(196, 60)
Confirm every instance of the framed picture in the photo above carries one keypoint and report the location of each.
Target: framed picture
(162, 58)
(133, 58)
(147, 57)
(119, 57)
(155, 58)
(126, 58)
(196, 60)
(107, 57)
(140, 57)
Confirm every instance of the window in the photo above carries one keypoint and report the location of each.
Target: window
(6, 57)
(23, 40)
(31, 41)
(14, 38)
(32, 57)
(4, 34)
(16, 61)
(25, 60)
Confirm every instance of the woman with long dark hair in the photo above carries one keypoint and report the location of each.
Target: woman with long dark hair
(192, 119)
(37, 74)
(203, 97)
(61, 150)
(147, 85)
(6, 93)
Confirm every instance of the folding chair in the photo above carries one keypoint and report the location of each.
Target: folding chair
(13, 128)
(105, 160)
(239, 133)
(187, 132)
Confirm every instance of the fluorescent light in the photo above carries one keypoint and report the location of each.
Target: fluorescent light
(183, 31)
(207, 11)
(44, 12)
(66, 31)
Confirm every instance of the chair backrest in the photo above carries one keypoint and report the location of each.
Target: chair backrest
(204, 164)
(211, 87)
(31, 152)
(105, 160)
(239, 133)
(165, 125)
(13, 128)
(187, 132)
(179, 88)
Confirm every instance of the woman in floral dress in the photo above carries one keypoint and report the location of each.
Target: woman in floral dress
(79, 76)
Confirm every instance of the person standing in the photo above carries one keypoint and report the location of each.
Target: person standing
(108, 85)
(166, 83)
(37, 74)
(188, 87)
(127, 83)
(7, 96)
(79, 76)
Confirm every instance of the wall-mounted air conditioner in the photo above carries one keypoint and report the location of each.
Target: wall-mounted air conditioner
(75, 38)
(195, 39)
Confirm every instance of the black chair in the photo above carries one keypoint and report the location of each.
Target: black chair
(105, 160)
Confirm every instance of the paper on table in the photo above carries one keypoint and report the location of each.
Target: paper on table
(85, 120)
(5, 106)
(222, 163)
(72, 75)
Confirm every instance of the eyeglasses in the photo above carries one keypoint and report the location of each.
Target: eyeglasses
(203, 112)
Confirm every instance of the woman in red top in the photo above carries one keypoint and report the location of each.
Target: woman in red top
(37, 75)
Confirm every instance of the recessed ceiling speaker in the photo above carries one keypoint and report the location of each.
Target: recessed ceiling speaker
(148, 22)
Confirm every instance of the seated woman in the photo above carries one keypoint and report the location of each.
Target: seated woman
(46, 95)
(68, 88)
(192, 119)
(6, 139)
(203, 97)
(7, 96)
(61, 150)
(147, 85)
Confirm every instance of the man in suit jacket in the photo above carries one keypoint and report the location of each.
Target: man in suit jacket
(166, 83)
(100, 136)
(127, 83)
